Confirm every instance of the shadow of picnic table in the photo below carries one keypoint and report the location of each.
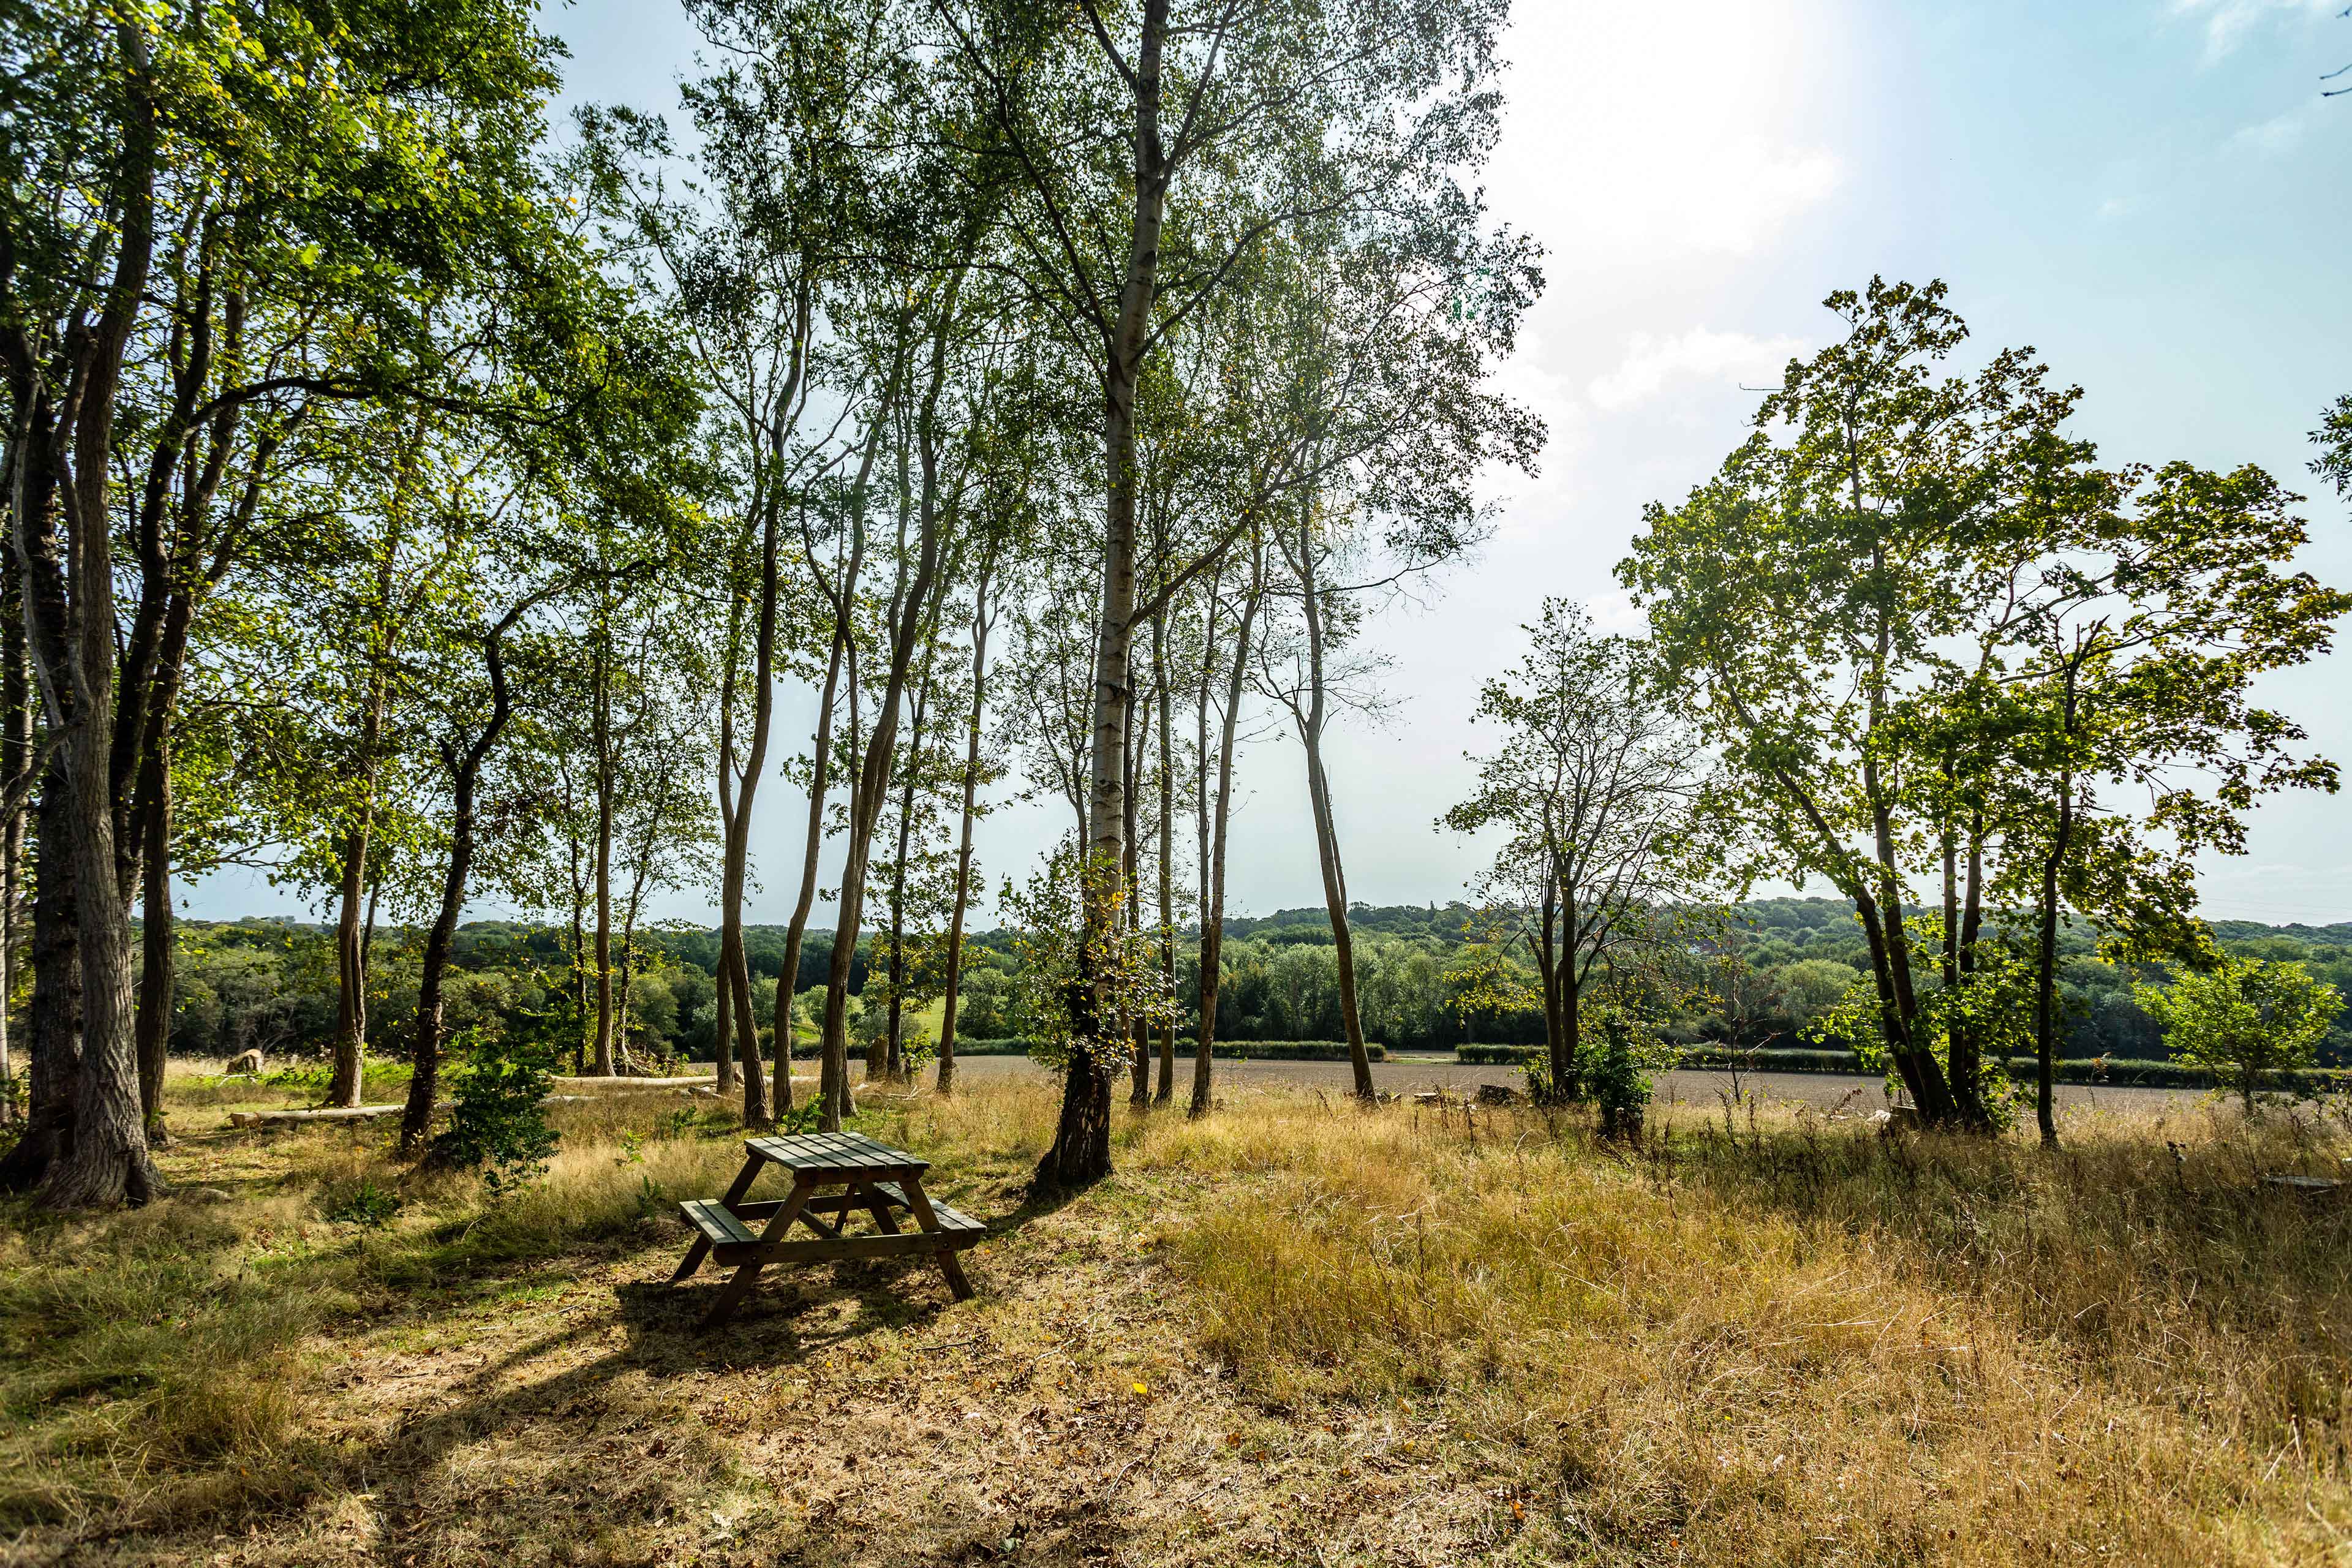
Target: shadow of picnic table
(598, 1413)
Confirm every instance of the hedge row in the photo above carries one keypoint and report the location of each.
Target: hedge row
(2116, 1070)
(1231, 1050)
(1498, 1055)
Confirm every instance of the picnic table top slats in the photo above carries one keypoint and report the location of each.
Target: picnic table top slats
(832, 1154)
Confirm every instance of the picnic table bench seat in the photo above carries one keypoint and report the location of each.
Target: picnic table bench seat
(719, 1226)
(834, 1175)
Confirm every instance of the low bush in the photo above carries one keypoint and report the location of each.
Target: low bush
(497, 1114)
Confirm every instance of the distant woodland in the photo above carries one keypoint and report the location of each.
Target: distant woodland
(270, 984)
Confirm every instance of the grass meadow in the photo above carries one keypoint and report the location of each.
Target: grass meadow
(1293, 1331)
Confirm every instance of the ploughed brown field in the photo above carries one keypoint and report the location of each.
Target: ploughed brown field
(1292, 1331)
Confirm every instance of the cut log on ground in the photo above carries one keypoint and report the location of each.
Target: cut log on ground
(332, 1113)
(688, 1087)
(632, 1082)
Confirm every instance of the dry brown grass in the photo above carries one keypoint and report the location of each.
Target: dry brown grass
(1291, 1331)
(1815, 1347)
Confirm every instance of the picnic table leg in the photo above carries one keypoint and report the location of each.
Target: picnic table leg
(878, 1206)
(732, 1293)
(950, 1265)
(701, 1247)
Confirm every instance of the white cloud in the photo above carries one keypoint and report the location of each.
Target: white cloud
(1638, 136)
(2227, 22)
(2280, 134)
(2119, 207)
(1733, 200)
(1651, 362)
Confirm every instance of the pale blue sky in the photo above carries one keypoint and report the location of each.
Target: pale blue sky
(2152, 194)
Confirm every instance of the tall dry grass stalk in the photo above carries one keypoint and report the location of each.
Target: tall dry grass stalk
(1809, 1346)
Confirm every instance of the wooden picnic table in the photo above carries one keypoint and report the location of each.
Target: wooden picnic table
(833, 1174)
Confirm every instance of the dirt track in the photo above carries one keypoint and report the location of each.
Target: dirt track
(1687, 1087)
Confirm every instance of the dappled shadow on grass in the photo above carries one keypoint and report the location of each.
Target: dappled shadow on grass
(771, 1325)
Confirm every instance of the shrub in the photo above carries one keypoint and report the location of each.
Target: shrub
(2245, 1019)
(362, 1202)
(497, 1107)
(1617, 1047)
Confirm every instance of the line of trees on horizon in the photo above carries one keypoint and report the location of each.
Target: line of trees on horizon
(1425, 981)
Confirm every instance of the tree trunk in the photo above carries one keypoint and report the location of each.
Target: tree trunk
(154, 1025)
(911, 605)
(54, 1015)
(577, 880)
(1132, 879)
(351, 980)
(732, 824)
(747, 1039)
(821, 767)
(351, 988)
(738, 975)
(600, 709)
(1327, 831)
(2046, 967)
(886, 1055)
(423, 1083)
(108, 1162)
(723, 1012)
(1081, 1148)
(953, 980)
(1542, 943)
(15, 759)
(842, 658)
(1213, 923)
(628, 967)
(1963, 1054)
(1166, 1092)
(1574, 966)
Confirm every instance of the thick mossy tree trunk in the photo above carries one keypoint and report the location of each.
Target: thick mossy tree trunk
(106, 1162)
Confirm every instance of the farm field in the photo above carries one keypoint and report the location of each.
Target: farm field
(1696, 1088)
(1292, 1331)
